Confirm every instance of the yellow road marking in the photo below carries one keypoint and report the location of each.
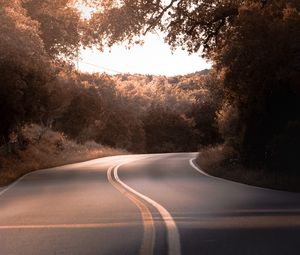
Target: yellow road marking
(147, 247)
(173, 237)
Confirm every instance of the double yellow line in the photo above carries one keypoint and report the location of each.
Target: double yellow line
(147, 246)
(140, 200)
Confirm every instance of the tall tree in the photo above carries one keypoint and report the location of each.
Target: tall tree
(22, 67)
(255, 43)
(59, 24)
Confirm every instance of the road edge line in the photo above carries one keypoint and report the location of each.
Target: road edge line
(13, 184)
(197, 168)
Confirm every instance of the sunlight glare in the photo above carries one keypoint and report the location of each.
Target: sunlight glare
(154, 57)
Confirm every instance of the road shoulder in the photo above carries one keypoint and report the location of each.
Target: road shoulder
(259, 178)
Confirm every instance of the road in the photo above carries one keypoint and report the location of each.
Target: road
(144, 204)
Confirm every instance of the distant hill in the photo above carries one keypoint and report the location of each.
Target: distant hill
(176, 92)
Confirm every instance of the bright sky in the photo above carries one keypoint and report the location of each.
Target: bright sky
(153, 57)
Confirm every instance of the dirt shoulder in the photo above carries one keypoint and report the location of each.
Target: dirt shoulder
(45, 148)
(16, 166)
(215, 162)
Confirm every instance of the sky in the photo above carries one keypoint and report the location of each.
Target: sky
(153, 57)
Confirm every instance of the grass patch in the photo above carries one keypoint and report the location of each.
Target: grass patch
(44, 149)
(220, 161)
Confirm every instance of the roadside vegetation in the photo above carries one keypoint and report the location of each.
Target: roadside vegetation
(254, 45)
(221, 161)
(248, 104)
(43, 148)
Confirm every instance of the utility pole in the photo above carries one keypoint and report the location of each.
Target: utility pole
(77, 59)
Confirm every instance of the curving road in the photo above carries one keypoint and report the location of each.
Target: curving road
(144, 204)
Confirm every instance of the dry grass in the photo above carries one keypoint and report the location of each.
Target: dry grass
(46, 149)
(220, 161)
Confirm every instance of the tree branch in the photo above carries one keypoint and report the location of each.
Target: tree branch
(226, 14)
(214, 33)
(160, 15)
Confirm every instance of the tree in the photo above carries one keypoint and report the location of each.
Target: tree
(23, 70)
(167, 131)
(83, 111)
(188, 23)
(59, 25)
(261, 65)
(254, 43)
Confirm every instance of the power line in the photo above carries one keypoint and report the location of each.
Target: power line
(102, 67)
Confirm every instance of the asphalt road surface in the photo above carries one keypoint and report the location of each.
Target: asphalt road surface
(144, 204)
